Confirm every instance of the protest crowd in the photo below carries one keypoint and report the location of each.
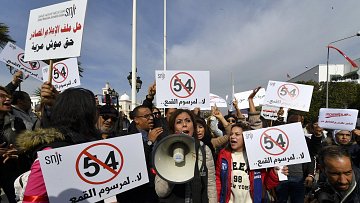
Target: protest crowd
(74, 117)
(73, 148)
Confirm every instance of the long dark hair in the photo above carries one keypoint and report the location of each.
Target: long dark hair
(74, 113)
(198, 183)
(207, 136)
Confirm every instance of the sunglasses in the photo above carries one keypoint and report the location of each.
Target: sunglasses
(156, 114)
(106, 117)
(231, 120)
(147, 116)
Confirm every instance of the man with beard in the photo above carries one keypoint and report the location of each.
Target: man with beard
(343, 177)
(107, 120)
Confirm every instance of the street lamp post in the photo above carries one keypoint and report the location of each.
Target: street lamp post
(133, 57)
(138, 82)
(327, 65)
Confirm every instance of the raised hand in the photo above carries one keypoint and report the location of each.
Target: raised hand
(154, 133)
(152, 90)
(48, 93)
(255, 91)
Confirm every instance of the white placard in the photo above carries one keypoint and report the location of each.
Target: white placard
(65, 74)
(276, 146)
(216, 100)
(13, 56)
(270, 112)
(55, 31)
(338, 119)
(182, 89)
(94, 171)
(242, 98)
(290, 95)
(281, 176)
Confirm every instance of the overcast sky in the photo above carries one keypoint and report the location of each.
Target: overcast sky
(255, 41)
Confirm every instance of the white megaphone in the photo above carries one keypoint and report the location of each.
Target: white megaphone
(174, 158)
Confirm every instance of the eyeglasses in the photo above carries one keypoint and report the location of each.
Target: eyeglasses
(147, 116)
(231, 120)
(106, 117)
(156, 114)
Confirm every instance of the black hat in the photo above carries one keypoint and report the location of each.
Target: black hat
(108, 110)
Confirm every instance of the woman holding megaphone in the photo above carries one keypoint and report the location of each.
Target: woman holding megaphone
(199, 189)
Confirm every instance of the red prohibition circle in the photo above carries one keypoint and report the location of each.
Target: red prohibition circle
(29, 65)
(182, 85)
(60, 74)
(287, 92)
(274, 142)
(85, 151)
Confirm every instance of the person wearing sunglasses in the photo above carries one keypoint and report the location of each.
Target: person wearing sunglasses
(107, 120)
(231, 119)
(156, 112)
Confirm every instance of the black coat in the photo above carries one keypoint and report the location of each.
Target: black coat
(324, 193)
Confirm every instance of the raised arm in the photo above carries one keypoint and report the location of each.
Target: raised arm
(217, 113)
(17, 79)
(254, 116)
(150, 96)
(238, 112)
(251, 99)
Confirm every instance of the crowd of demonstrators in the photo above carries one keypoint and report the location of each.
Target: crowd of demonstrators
(73, 117)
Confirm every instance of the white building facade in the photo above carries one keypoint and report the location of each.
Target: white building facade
(337, 73)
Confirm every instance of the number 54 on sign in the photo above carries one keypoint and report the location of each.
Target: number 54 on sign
(182, 89)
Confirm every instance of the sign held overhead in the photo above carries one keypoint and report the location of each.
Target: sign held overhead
(182, 89)
(288, 95)
(55, 31)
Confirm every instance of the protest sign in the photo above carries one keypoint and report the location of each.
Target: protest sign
(270, 112)
(182, 89)
(55, 31)
(216, 100)
(275, 146)
(65, 74)
(13, 56)
(242, 98)
(338, 119)
(94, 171)
(289, 95)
